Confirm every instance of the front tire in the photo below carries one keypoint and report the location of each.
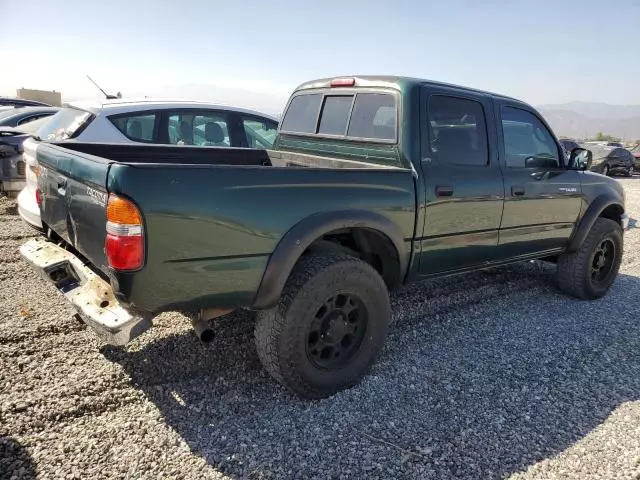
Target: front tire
(328, 328)
(589, 273)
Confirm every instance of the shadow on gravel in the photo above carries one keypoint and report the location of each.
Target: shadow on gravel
(15, 461)
(481, 377)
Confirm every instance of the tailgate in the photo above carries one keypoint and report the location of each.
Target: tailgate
(74, 198)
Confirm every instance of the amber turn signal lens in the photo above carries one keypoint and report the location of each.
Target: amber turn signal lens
(122, 211)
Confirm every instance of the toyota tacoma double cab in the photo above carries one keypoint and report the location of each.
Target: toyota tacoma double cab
(373, 182)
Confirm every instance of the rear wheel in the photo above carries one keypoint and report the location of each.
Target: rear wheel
(328, 327)
(590, 272)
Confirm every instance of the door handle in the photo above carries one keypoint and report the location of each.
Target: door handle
(444, 190)
(517, 190)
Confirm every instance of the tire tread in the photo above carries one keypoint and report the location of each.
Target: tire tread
(573, 269)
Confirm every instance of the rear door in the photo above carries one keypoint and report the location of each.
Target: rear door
(542, 200)
(464, 187)
(201, 127)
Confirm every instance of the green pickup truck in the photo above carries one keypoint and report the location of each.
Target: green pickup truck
(373, 182)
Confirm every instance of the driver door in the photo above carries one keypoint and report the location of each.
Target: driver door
(542, 198)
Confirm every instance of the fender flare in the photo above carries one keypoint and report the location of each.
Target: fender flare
(293, 244)
(594, 210)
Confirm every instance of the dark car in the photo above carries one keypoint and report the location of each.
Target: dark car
(20, 102)
(635, 151)
(568, 145)
(21, 115)
(618, 161)
(12, 165)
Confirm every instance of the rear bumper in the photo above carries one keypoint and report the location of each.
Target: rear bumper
(621, 168)
(90, 295)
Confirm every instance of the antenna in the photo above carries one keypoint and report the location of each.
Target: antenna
(109, 97)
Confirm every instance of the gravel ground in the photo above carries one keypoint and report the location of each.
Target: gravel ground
(491, 375)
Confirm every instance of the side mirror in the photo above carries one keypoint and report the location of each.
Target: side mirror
(580, 159)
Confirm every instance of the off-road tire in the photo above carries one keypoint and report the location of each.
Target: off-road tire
(574, 275)
(281, 333)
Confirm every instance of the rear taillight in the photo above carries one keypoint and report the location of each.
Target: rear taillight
(38, 198)
(124, 245)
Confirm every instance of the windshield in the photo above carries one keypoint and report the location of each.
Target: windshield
(64, 124)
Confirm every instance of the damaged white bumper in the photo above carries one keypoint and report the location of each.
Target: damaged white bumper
(91, 296)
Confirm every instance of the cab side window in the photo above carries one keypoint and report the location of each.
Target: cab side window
(457, 131)
(527, 142)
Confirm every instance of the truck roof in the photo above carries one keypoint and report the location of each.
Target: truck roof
(394, 81)
(122, 105)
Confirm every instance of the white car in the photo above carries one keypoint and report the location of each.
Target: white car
(168, 122)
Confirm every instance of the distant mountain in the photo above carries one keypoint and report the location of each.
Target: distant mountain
(598, 110)
(586, 119)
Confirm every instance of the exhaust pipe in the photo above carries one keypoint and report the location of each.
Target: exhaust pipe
(201, 325)
(203, 330)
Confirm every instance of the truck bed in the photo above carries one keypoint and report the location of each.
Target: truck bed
(212, 216)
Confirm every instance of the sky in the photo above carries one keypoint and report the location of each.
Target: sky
(540, 51)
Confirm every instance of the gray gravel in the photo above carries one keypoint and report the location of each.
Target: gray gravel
(491, 375)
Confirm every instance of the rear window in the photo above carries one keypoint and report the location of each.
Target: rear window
(302, 114)
(369, 116)
(335, 115)
(620, 153)
(67, 123)
(374, 116)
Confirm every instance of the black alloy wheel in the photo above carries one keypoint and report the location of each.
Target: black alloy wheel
(336, 331)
